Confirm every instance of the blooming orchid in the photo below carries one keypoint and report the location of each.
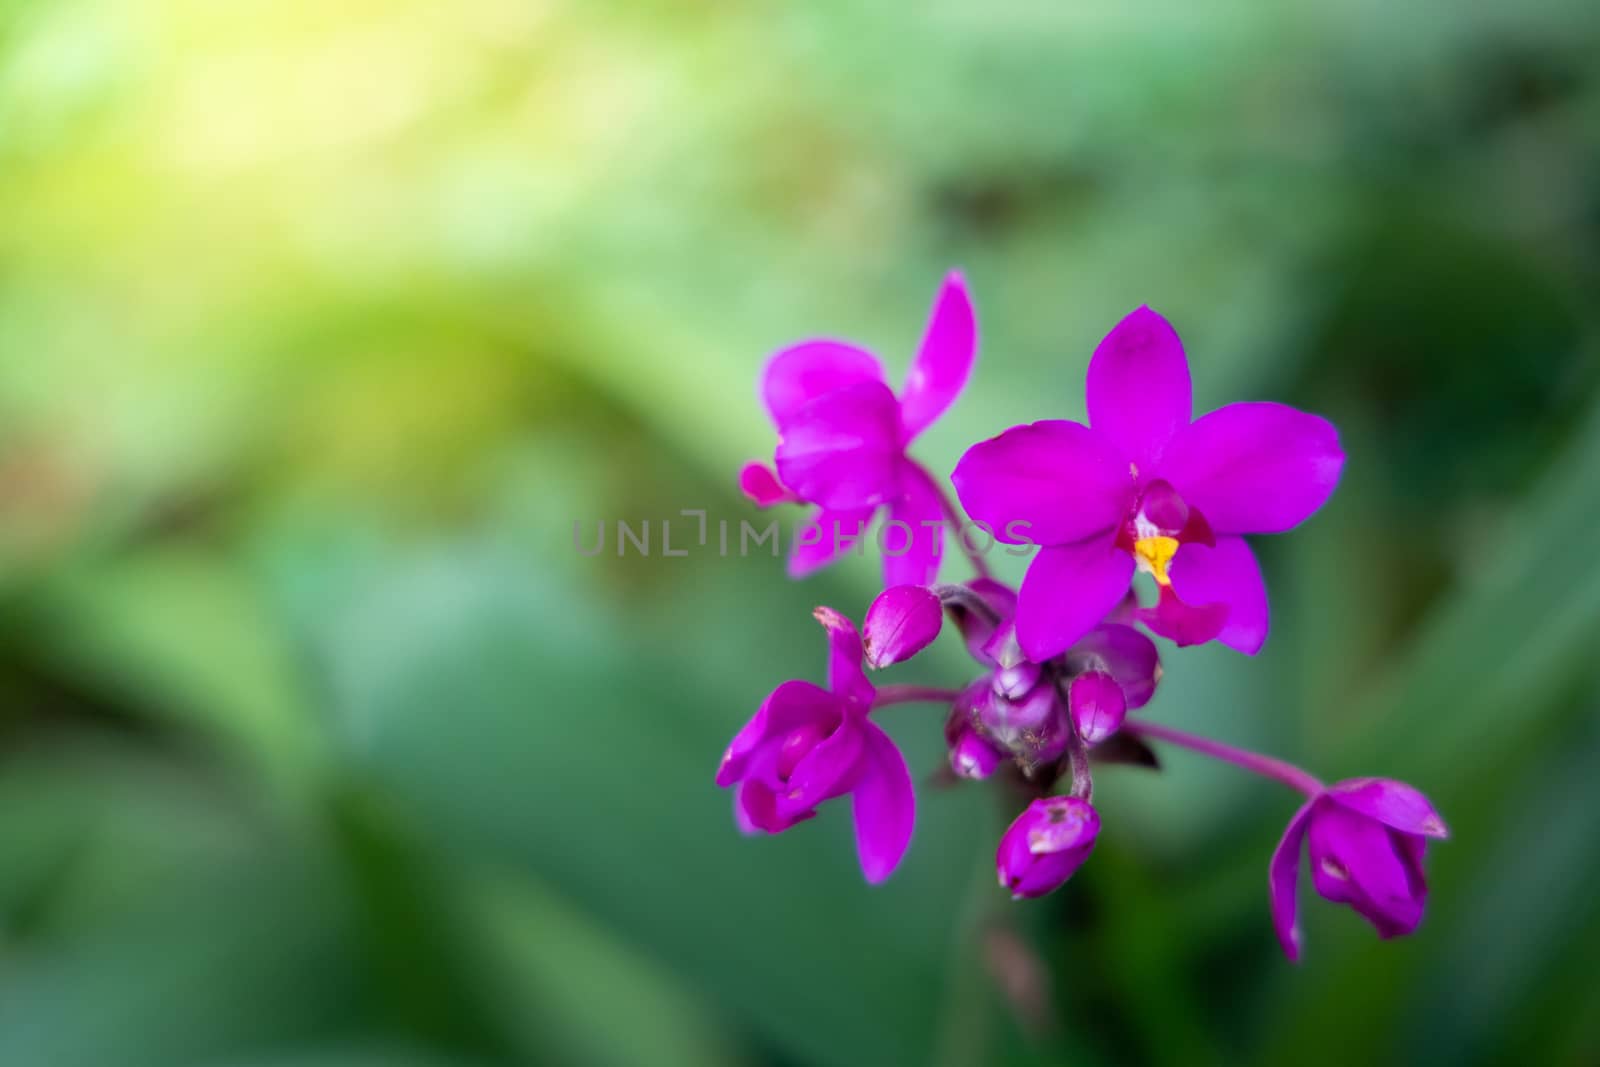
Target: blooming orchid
(1367, 839)
(1060, 663)
(806, 744)
(1141, 487)
(843, 435)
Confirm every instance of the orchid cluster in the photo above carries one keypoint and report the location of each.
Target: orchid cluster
(1063, 659)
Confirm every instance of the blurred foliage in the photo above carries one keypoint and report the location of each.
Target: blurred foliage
(320, 326)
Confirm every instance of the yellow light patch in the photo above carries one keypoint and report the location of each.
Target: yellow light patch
(1155, 555)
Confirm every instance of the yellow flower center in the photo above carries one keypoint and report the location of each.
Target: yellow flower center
(1155, 555)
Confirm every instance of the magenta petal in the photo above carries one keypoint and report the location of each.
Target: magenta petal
(944, 359)
(791, 705)
(1227, 574)
(1138, 388)
(1395, 804)
(756, 809)
(1283, 876)
(1062, 479)
(1182, 623)
(760, 484)
(1255, 468)
(845, 676)
(1067, 590)
(842, 450)
(799, 374)
(827, 770)
(826, 536)
(1357, 861)
(922, 545)
(885, 806)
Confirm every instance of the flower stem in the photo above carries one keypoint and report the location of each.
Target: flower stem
(914, 694)
(958, 523)
(1254, 762)
(1077, 751)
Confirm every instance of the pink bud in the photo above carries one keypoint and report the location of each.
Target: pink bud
(901, 622)
(1097, 705)
(973, 757)
(1045, 845)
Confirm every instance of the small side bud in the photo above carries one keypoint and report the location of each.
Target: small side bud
(1046, 844)
(971, 756)
(903, 621)
(1097, 706)
(1016, 682)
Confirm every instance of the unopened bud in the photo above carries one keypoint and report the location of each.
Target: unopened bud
(903, 621)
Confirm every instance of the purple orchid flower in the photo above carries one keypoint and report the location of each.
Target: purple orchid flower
(807, 744)
(1144, 488)
(843, 434)
(1046, 845)
(1367, 838)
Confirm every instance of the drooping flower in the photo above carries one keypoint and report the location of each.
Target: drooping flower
(842, 439)
(1367, 839)
(806, 745)
(1046, 845)
(1144, 488)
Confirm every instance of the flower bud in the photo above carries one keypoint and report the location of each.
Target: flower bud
(1015, 682)
(1045, 845)
(970, 755)
(1032, 728)
(901, 622)
(1097, 706)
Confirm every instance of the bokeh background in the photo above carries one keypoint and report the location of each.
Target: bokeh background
(322, 324)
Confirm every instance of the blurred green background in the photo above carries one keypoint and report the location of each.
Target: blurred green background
(321, 324)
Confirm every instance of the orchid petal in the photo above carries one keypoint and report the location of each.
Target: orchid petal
(1256, 467)
(1138, 389)
(842, 450)
(799, 374)
(827, 770)
(759, 483)
(829, 534)
(1395, 804)
(1063, 480)
(1067, 590)
(944, 359)
(1283, 876)
(845, 675)
(1227, 574)
(1355, 861)
(920, 502)
(757, 810)
(1183, 623)
(791, 705)
(885, 806)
